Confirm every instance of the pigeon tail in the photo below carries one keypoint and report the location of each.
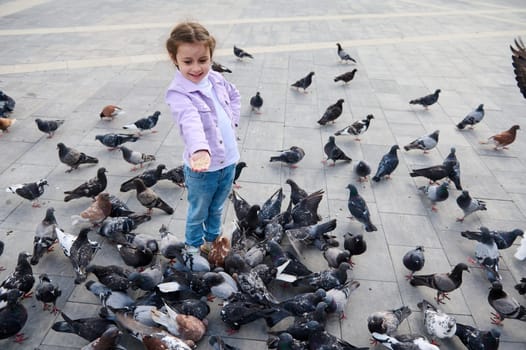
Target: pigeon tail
(424, 280)
(461, 125)
(164, 207)
(376, 178)
(369, 227)
(276, 317)
(130, 126)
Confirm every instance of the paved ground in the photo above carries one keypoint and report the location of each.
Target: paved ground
(66, 59)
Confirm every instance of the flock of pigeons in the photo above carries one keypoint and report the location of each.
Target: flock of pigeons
(169, 307)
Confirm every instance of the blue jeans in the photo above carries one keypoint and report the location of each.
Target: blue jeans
(207, 193)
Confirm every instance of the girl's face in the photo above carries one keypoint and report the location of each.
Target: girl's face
(193, 60)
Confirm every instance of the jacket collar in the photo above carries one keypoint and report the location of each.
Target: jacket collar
(181, 84)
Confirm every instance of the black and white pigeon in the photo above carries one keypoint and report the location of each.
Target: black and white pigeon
(47, 292)
(453, 166)
(302, 303)
(290, 156)
(313, 234)
(404, 342)
(355, 244)
(387, 321)
(435, 193)
(147, 123)
(176, 175)
(218, 67)
(30, 191)
(81, 253)
(505, 305)
(443, 283)
(387, 164)
(427, 100)
(296, 192)
(414, 260)
(288, 266)
(45, 236)
(240, 53)
(256, 102)
(148, 177)
(135, 255)
(487, 254)
(359, 209)
(13, 316)
(333, 152)
(90, 188)
(469, 205)
(476, 339)
(217, 343)
(437, 323)
(344, 56)
(116, 228)
(346, 77)
(113, 140)
(7, 104)
(22, 278)
(519, 64)
(49, 126)
(73, 158)
(118, 207)
(304, 82)
(473, 118)
(357, 128)
(149, 199)
(362, 169)
(237, 173)
(332, 112)
(136, 157)
(66, 241)
(89, 328)
(425, 143)
(113, 276)
(325, 279)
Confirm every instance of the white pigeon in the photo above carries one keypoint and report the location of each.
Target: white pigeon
(437, 323)
(404, 341)
(66, 241)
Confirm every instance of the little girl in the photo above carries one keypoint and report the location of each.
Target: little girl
(206, 108)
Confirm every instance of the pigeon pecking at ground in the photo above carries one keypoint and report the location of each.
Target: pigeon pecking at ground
(475, 339)
(505, 305)
(73, 158)
(427, 100)
(345, 77)
(136, 157)
(414, 260)
(110, 111)
(5, 124)
(436, 322)
(425, 143)
(362, 169)
(435, 193)
(473, 118)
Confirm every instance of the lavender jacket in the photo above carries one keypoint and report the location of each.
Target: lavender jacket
(196, 116)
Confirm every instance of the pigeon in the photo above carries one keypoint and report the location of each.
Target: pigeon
(387, 164)
(505, 138)
(135, 255)
(362, 169)
(272, 206)
(313, 234)
(169, 246)
(404, 342)
(116, 228)
(334, 152)
(453, 167)
(290, 156)
(30, 191)
(13, 316)
(148, 177)
(241, 206)
(110, 111)
(474, 117)
(302, 303)
(149, 199)
(425, 143)
(218, 67)
(521, 251)
(73, 158)
(469, 205)
(296, 192)
(427, 100)
(156, 341)
(332, 112)
(519, 64)
(505, 305)
(96, 212)
(414, 260)
(81, 254)
(338, 298)
(143, 124)
(433, 173)
(252, 285)
(306, 211)
(176, 175)
(346, 77)
(486, 253)
(108, 340)
(284, 340)
(442, 282)
(136, 157)
(45, 236)
(256, 102)
(89, 328)
(113, 141)
(49, 126)
(505, 239)
(107, 297)
(304, 83)
(288, 266)
(237, 313)
(113, 276)
(90, 188)
(335, 256)
(358, 208)
(475, 339)
(188, 261)
(387, 321)
(436, 322)
(321, 339)
(357, 128)
(196, 307)
(22, 278)
(435, 193)
(66, 241)
(344, 56)
(240, 53)
(221, 284)
(239, 168)
(5, 124)
(7, 104)
(118, 207)
(354, 244)
(325, 279)
(521, 287)
(46, 292)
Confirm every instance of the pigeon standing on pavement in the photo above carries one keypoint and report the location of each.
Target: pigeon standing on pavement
(22, 278)
(473, 118)
(505, 138)
(45, 236)
(90, 188)
(13, 316)
(387, 321)
(110, 111)
(73, 158)
(427, 100)
(240, 53)
(96, 212)
(7, 104)
(346, 77)
(519, 64)
(344, 56)
(469, 205)
(355, 244)
(357, 128)
(425, 143)
(453, 168)
(404, 342)
(5, 124)
(143, 124)
(486, 253)
(332, 112)
(290, 156)
(237, 173)
(30, 191)
(505, 305)
(436, 322)
(475, 339)
(256, 102)
(148, 177)
(414, 260)
(443, 283)
(334, 152)
(304, 82)
(81, 253)
(149, 199)
(387, 164)
(218, 67)
(47, 292)
(113, 141)
(435, 193)
(358, 208)
(49, 126)
(136, 157)
(362, 169)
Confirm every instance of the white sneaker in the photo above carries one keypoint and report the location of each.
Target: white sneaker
(192, 250)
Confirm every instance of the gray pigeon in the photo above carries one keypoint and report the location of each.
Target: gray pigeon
(427, 100)
(443, 283)
(47, 292)
(218, 67)
(332, 112)
(73, 158)
(344, 56)
(476, 339)
(313, 234)
(113, 140)
(296, 192)
(414, 260)
(346, 77)
(240, 53)
(437, 323)
(358, 208)
(49, 126)
(505, 305)
(487, 254)
(387, 321)
(387, 164)
(453, 168)
(81, 253)
(469, 205)
(435, 193)
(404, 342)
(290, 156)
(335, 256)
(357, 128)
(425, 143)
(136, 157)
(362, 169)
(474, 117)
(338, 298)
(256, 102)
(45, 236)
(334, 152)
(304, 83)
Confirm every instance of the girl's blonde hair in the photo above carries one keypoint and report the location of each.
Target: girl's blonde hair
(189, 33)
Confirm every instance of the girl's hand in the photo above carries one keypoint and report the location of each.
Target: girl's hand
(200, 161)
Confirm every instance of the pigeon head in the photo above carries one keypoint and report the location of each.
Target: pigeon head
(42, 182)
(50, 216)
(515, 128)
(101, 171)
(242, 165)
(311, 74)
(393, 149)
(437, 91)
(339, 46)
(340, 101)
(459, 268)
(370, 116)
(497, 286)
(44, 277)
(480, 108)
(331, 139)
(352, 189)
